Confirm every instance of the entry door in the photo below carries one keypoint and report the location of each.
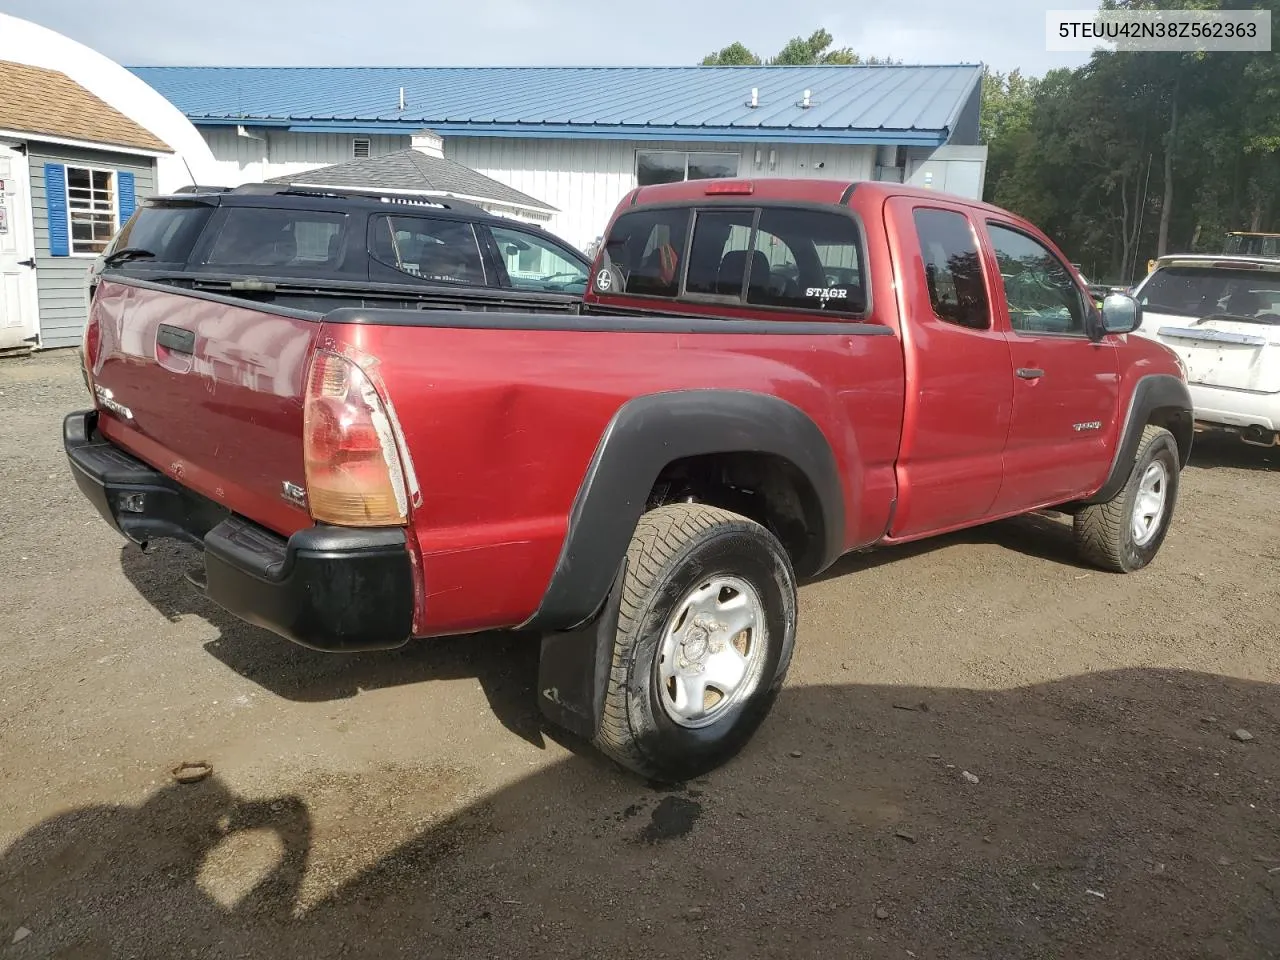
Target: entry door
(951, 462)
(1066, 387)
(19, 315)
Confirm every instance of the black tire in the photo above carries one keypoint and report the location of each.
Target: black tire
(674, 549)
(1104, 531)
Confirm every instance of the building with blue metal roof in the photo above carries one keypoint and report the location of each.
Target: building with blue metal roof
(579, 138)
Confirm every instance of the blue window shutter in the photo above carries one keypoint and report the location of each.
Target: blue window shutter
(55, 195)
(126, 202)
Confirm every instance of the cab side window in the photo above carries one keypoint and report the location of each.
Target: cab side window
(1042, 296)
(952, 268)
(441, 251)
(534, 263)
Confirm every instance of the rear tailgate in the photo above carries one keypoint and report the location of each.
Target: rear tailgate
(208, 391)
(1221, 315)
(1237, 355)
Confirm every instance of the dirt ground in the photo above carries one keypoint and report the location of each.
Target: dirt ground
(411, 804)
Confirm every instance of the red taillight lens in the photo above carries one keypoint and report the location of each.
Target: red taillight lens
(353, 471)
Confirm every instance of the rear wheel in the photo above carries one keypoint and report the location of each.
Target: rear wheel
(706, 627)
(1125, 533)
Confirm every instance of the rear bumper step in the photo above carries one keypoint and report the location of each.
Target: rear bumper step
(328, 588)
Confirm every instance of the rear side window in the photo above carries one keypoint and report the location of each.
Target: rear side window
(807, 260)
(1204, 291)
(288, 239)
(644, 253)
(952, 268)
(442, 251)
(168, 232)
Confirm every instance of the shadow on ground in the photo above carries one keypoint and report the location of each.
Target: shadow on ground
(1210, 451)
(1113, 816)
(505, 664)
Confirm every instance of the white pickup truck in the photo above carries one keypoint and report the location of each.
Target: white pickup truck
(1221, 315)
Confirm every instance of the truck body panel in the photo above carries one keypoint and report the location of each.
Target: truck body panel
(941, 408)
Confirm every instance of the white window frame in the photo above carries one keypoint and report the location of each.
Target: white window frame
(635, 171)
(72, 209)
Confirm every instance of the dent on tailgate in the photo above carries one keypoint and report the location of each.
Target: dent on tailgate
(224, 419)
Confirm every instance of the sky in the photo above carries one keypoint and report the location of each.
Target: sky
(1002, 33)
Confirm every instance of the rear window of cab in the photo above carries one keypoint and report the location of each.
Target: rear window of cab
(785, 258)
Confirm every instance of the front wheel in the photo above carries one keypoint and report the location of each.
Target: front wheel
(1125, 533)
(705, 631)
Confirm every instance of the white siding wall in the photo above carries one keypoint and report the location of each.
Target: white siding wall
(583, 179)
(245, 160)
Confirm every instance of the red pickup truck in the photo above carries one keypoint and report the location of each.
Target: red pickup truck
(762, 376)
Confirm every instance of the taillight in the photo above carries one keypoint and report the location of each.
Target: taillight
(353, 472)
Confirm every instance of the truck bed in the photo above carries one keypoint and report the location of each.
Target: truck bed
(473, 394)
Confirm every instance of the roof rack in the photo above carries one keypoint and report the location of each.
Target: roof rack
(372, 194)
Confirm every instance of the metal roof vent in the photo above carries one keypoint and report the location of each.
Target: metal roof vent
(806, 102)
(402, 98)
(755, 98)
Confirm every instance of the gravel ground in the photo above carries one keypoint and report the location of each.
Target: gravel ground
(984, 750)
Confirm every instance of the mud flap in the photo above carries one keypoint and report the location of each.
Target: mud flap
(573, 668)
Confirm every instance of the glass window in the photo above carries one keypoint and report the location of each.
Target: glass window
(167, 231)
(1204, 291)
(807, 260)
(952, 268)
(1042, 296)
(262, 237)
(654, 168)
(534, 263)
(672, 166)
(720, 252)
(644, 252)
(91, 208)
(442, 251)
(712, 166)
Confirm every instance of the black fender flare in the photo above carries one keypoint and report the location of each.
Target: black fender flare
(1157, 398)
(643, 437)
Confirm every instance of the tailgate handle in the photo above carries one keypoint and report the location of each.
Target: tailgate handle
(1030, 373)
(176, 339)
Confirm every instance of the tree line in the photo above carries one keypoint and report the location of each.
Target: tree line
(1130, 155)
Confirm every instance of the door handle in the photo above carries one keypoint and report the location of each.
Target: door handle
(1029, 373)
(176, 339)
(28, 263)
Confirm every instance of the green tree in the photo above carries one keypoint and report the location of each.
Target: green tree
(734, 55)
(814, 50)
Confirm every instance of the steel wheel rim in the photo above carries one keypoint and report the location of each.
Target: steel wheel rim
(1149, 503)
(712, 653)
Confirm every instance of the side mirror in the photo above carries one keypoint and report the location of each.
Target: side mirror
(1120, 313)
